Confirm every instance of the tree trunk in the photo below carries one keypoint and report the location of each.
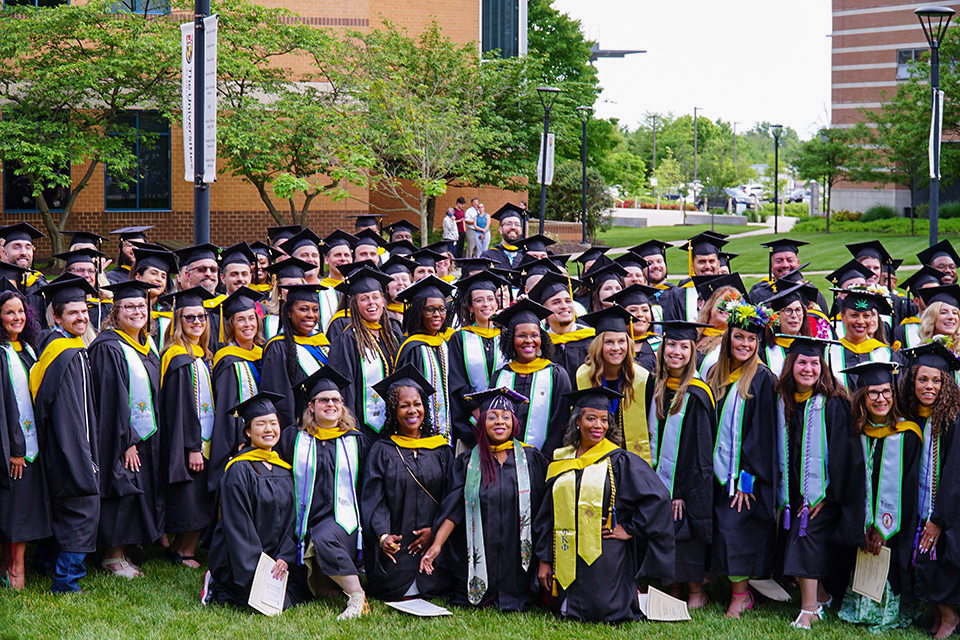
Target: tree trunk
(265, 197)
(424, 218)
(56, 237)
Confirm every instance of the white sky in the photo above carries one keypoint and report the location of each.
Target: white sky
(740, 60)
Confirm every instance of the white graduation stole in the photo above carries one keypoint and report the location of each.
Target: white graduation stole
(247, 386)
(883, 510)
(911, 335)
(373, 371)
(709, 360)
(304, 479)
(307, 361)
(435, 371)
(693, 299)
(776, 355)
(726, 453)
(664, 455)
(541, 397)
(346, 508)
(21, 390)
(203, 397)
(271, 326)
(814, 476)
(329, 301)
(143, 418)
(475, 360)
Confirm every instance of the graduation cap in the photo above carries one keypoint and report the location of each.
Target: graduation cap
(263, 249)
(303, 238)
(302, 292)
(187, 298)
(863, 300)
(339, 239)
(130, 289)
(365, 220)
(243, 299)
(536, 267)
(397, 264)
(945, 293)
(364, 280)
(708, 285)
(630, 259)
(401, 248)
(848, 272)
(871, 374)
(933, 354)
(802, 292)
(499, 398)
(346, 269)
(323, 379)
(650, 248)
(84, 237)
(891, 268)
(726, 258)
(591, 254)
(240, 253)
(12, 272)
(427, 258)
(79, 255)
(781, 245)
(615, 318)
(429, 287)
(197, 253)
(481, 281)
(290, 268)
(926, 275)
(262, 404)
(68, 288)
(509, 210)
(406, 376)
(469, 266)
(551, 284)
(20, 231)
(942, 248)
(704, 244)
(538, 242)
(870, 249)
(282, 233)
(524, 311)
(807, 345)
(594, 398)
(129, 234)
(793, 276)
(634, 294)
(603, 269)
(369, 237)
(681, 329)
(399, 226)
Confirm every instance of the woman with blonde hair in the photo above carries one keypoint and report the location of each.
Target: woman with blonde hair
(744, 455)
(942, 315)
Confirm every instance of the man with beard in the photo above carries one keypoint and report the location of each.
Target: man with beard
(703, 259)
(943, 258)
(130, 237)
(570, 339)
(17, 250)
(506, 254)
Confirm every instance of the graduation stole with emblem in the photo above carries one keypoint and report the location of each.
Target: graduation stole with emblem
(541, 397)
(203, 401)
(883, 507)
(814, 476)
(143, 419)
(577, 520)
(21, 391)
(476, 551)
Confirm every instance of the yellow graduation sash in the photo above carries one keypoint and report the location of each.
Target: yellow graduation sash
(271, 457)
(53, 350)
(433, 442)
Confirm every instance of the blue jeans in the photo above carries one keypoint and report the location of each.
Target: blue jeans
(69, 570)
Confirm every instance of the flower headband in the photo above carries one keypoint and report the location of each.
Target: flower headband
(746, 316)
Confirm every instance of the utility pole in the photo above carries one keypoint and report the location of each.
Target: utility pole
(656, 189)
(695, 157)
(736, 169)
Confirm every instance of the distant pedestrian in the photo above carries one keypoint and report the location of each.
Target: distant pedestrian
(461, 227)
(450, 227)
(481, 227)
(469, 216)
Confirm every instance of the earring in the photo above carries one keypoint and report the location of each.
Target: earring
(539, 352)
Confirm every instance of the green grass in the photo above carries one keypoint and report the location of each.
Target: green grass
(630, 236)
(165, 605)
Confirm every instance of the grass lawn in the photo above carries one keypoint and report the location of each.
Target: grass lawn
(165, 605)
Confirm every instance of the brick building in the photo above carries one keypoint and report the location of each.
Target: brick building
(162, 198)
(873, 43)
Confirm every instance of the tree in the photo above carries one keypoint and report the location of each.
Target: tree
(670, 175)
(68, 74)
(824, 158)
(628, 172)
(567, 199)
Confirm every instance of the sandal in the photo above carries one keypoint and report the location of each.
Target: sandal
(742, 609)
(120, 567)
(14, 581)
(176, 559)
(796, 624)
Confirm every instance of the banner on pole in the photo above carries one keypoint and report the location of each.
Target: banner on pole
(548, 178)
(186, 94)
(210, 25)
(936, 126)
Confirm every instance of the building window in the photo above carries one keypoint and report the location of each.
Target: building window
(503, 27)
(143, 6)
(18, 192)
(34, 3)
(904, 58)
(150, 188)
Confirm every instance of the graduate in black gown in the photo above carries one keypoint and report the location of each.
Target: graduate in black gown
(256, 512)
(589, 559)
(127, 398)
(931, 399)
(24, 501)
(236, 376)
(186, 423)
(17, 250)
(407, 474)
(505, 254)
(891, 494)
(365, 350)
(327, 453)
(299, 351)
(821, 486)
(530, 372)
(638, 299)
(495, 492)
(744, 459)
(570, 339)
(683, 420)
(61, 384)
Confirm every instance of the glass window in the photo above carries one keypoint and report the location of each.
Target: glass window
(501, 27)
(150, 188)
(18, 192)
(143, 6)
(34, 3)
(904, 58)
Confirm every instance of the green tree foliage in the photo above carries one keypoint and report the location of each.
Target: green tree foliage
(824, 158)
(566, 197)
(67, 75)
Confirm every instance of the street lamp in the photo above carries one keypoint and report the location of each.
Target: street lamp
(547, 96)
(777, 130)
(584, 113)
(695, 159)
(934, 21)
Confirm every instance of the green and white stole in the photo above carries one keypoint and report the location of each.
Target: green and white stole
(434, 361)
(271, 326)
(307, 361)
(143, 417)
(911, 335)
(475, 360)
(814, 477)
(883, 509)
(726, 452)
(709, 360)
(329, 302)
(20, 382)
(665, 443)
(776, 356)
(346, 509)
(541, 398)
(247, 380)
(203, 401)
(476, 551)
(304, 479)
(692, 300)
(838, 361)
(372, 371)
(930, 461)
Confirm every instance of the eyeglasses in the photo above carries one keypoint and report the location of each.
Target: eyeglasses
(83, 272)
(142, 308)
(333, 401)
(435, 311)
(792, 313)
(886, 394)
(204, 269)
(194, 319)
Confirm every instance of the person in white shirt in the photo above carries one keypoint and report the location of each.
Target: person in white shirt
(469, 217)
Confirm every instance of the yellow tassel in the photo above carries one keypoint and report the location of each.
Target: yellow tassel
(690, 259)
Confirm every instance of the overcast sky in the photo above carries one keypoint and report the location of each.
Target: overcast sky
(739, 60)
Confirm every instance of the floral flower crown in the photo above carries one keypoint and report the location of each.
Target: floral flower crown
(946, 341)
(746, 316)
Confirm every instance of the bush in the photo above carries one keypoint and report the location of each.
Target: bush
(894, 226)
(950, 210)
(842, 215)
(878, 212)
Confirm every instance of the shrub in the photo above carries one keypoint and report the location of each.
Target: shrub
(878, 212)
(842, 215)
(950, 210)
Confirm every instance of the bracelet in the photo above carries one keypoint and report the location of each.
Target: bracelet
(382, 537)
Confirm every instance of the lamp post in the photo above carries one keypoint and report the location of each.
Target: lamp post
(547, 96)
(584, 113)
(736, 170)
(934, 21)
(656, 191)
(777, 130)
(695, 161)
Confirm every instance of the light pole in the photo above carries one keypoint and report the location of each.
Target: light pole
(547, 97)
(656, 191)
(777, 130)
(584, 113)
(736, 170)
(695, 158)
(934, 21)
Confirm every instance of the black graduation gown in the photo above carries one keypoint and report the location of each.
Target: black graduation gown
(131, 504)
(646, 357)
(693, 481)
(35, 282)
(345, 359)
(392, 501)
(409, 353)
(227, 437)
(559, 407)
(607, 589)
(743, 543)
(502, 258)
(24, 503)
(674, 302)
(189, 502)
(571, 355)
(257, 514)
(118, 275)
(462, 410)
(840, 521)
(275, 379)
(509, 588)
(938, 579)
(336, 550)
(67, 437)
(762, 291)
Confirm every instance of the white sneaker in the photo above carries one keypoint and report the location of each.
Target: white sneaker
(356, 606)
(205, 594)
